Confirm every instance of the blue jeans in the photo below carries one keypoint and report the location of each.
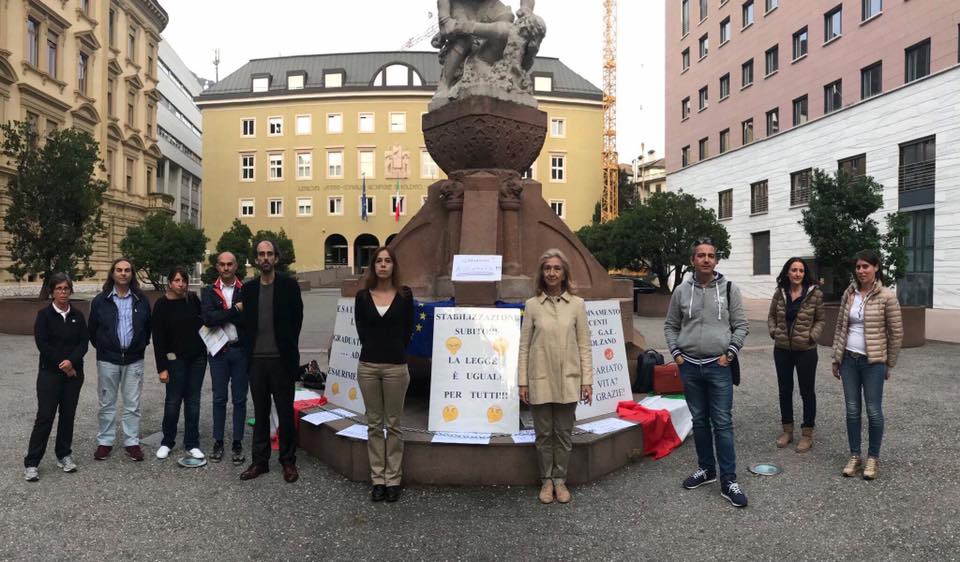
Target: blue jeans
(128, 381)
(228, 369)
(859, 376)
(708, 390)
(183, 386)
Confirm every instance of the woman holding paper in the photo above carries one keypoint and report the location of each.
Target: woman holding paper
(383, 315)
(181, 361)
(556, 369)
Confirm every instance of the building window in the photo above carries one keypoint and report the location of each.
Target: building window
(725, 30)
(365, 123)
(248, 127)
(111, 93)
(800, 187)
(772, 59)
(558, 167)
(832, 96)
(132, 43)
(304, 206)
(758, 198)
(109, 164)
(832, 24)
(304, 165)
(917, 61)
(724, 140)
(773, 121)
(703, 9)
(855, 166)
(334, 123)
(335, 205)
(151, 113)
(304, 124)
(771, 5)
(530, 173)
(559, 206)
(334, 164)
(702, 96)
(332, 79)
(703, 146)
(543, 83)
(246, 207)
(261, 84)
(746, 74)
(704, 46)
(366, 165)
(685, 156)
(725, 86)
(368, 202)
(761, 253)
(83, 66)
(275, 207)
(131, 107)
(128, 174)
(398, 122)
(33, 42)
(800, 43)
(725, 204)
(112, 28)
(800, 113)
(295, 82)
(684, 17)
(871, 80)
(746, 128)
(918, 164)
(558, 127)
(871, 8)
(401, 201)
(684, 108)
(53, 46)
(685, 59)
(276, 166)
(274, 126)
(247, 167)
(747, 11)
(428, 168)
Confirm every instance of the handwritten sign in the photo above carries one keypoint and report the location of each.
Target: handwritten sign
(611, 379)
(473, 385)
(342, 388)
(476, 268)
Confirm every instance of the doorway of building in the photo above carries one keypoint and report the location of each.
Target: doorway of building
(336, 251)
(916, 287)
(363, 248)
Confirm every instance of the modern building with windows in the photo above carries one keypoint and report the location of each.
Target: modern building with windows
(179, 128)
(867, 86)
(89, 64)
(290, 142)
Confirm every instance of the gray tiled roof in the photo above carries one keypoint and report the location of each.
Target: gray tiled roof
(360, 69)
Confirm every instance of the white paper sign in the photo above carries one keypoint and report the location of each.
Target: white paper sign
(525, 436)
(606, 425)
(342, 388)
(473, 384)
(355, 431)
(476, 268)
(611, 379)
(320, 418)
(461, 438)
(305, 394)
(214, 338)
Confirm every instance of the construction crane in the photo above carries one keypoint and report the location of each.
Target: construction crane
(609, 202)
(425, 35)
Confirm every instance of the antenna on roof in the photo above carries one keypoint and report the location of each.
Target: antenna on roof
(216, 65)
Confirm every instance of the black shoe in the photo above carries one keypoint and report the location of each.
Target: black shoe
(217, 454)
(731, 490)
(393, 493)
(699, 478)
(378, 493)
(238, 457)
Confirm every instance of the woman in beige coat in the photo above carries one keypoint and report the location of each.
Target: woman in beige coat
(866, 343)
(556, 369)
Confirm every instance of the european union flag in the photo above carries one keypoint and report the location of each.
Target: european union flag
(421, 344)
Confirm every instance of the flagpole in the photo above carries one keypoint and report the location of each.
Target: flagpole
(363, 197)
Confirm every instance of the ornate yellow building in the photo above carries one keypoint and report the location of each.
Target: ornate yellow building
(290, 142)
(90, 64)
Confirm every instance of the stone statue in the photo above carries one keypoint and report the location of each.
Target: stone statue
(486, 51)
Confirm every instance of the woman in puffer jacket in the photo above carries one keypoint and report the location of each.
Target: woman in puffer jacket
(795, 322)
(865, 348)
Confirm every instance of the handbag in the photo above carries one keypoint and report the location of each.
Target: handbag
(645, 364)
(666, 379)
(735, 364)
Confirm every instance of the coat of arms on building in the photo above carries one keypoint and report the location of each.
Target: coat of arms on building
(396, 163)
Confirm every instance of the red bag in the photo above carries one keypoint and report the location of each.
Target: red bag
(666, 379)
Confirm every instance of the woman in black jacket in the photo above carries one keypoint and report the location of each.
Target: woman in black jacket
(383, 314)
(61, 335)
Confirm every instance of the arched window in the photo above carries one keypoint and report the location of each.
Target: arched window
(397, 75)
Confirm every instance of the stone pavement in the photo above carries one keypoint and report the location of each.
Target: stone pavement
(154, 510)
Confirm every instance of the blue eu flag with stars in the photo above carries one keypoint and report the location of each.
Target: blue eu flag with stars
(421, 344)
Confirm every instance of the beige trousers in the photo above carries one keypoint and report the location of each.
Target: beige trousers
(384, 387)
(553, 424)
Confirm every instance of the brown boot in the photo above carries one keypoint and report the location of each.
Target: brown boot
(546, 491)
(806, 440)
(787, 436)
(563, 494)
(871, 469)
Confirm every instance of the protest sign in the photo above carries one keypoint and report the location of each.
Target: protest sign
(611, 379)
(341, 388)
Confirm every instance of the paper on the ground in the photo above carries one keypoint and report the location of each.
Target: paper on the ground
(462, 438)
(344, 413)
(214, 338)
(524, 436)
(305, 394)
(356, 431)
(606, 425)
(320, 418)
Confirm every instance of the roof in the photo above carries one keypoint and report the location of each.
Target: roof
(361, 68)
(658, 163)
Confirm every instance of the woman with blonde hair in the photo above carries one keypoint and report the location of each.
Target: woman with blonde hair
(555, 370)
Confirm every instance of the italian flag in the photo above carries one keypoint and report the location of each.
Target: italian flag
(396, 212)
(665, 422)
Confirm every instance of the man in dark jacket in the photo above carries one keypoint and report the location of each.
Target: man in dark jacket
(228, 367)
(272, 317)
(120, 331)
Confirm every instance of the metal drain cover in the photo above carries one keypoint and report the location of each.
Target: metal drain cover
(190, 462)
(766, 469)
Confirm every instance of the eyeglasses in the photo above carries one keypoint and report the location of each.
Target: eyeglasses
(61, 289)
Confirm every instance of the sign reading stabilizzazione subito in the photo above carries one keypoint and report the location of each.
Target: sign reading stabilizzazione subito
(473, 385)
(342, 388)
(611, 379)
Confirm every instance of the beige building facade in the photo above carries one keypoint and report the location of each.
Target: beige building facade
(89, 64)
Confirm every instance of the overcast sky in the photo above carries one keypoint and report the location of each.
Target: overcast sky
(249, 29)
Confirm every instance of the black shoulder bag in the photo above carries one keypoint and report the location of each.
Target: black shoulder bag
(735, 364)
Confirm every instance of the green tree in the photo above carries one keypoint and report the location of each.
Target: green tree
(54, 211)
(158, 244)
(626, 193)
(235, 240)
(839, 223)
(287, 255)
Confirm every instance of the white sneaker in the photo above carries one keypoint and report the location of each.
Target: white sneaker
(163, 452)
(195, 453)
(30, 474)
(67, 464)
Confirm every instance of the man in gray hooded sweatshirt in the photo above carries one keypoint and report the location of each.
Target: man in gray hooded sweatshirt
(705, 330)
